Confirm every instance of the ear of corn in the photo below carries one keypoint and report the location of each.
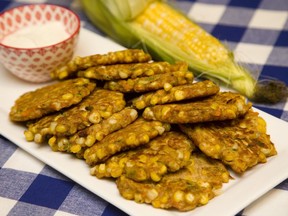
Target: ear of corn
(169, 35)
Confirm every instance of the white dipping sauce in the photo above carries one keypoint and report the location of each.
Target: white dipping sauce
(37, 36)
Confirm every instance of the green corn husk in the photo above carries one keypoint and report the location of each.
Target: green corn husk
(115, 18)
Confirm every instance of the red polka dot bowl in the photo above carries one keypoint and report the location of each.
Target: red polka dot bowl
(36, 39)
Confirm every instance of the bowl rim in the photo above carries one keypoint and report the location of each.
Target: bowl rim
(46, 5)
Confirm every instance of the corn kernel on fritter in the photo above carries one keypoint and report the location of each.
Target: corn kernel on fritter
(174, 155)
(240, 143)
(166, 153)
(183, 190)
(117, 57)
(206, 169)
(151, 83)
(124, 71)
(96, 132)
(177, 93)
(139, 133)
(100, 104)
(45, 100)
(222, 106)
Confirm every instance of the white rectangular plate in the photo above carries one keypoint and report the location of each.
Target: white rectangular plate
(237, 194)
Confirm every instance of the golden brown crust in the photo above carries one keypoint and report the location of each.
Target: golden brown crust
(100, 104)
(117, 57)
(241, 143)
(190, 187)
(124, 71)
(42, 101)
(177, 93)
(151, 83)
(222, 106)
(138, 133)
(166, 153)
(181, 169)
(96, 132)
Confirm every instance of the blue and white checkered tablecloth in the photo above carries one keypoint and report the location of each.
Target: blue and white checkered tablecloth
(256, 30)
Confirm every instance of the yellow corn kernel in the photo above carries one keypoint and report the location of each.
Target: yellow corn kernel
(92, 170)
(122, 162)
(204, 199)
(152, 194)
(123, 75)
(149, 72)
(160, 129)
(52, 143)
(67, 96)
(112, 147)
(189, 76)
(225, 177)
(52, 126)
(61, 128)
(94, 117)
(115, 173)
(167, 86)
(138, 198)
(164, 198)
(86, 153)
(29, 136)
(102, 168)
(75, 148)
(105, 114)
(80, 140)
(165, 110)
(144, 139)
(154, 100)
(181, 114)
(189, 198)
(163, 169)
(142, 158)
(131, 139)
(38, 138)
(62, 74)
(140, 104)
(165, 99)
(99, 135)
(155, 177)
(178, 196)
(100, 153)
(137, 72)
(128, 195)
(179, 95)
(261, 126)
(62, 144)
(90, 140)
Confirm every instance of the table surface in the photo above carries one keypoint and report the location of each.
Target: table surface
(257, 32)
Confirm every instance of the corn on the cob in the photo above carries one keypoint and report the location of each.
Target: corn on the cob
(166, 23)
(169, 35)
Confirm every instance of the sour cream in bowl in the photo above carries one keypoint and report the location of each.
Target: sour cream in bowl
(36, 39)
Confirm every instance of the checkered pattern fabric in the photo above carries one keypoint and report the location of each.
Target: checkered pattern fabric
(257, 31)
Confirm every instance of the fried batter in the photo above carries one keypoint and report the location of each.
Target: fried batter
(117, 57)
(190, 187)
(177, 93)
(222, 106)
(166, 153)
(138, 133)
(151, 83)
(96, 132)
(51, 98)
(240, 143)
(124, 71)
(100, 104)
